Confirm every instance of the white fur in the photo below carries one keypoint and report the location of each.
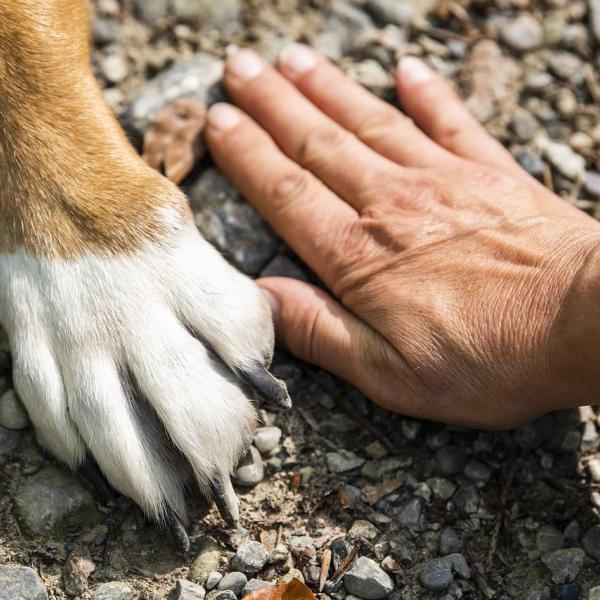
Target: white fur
(78, 327)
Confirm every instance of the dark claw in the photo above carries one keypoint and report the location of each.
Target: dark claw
(180, 536)
(224, 496)
(269, 387)
(92, 473)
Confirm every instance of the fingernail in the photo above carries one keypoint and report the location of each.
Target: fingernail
(413, 70)
(273, 303)
(245, 65)
(297, 59)
(223, 116)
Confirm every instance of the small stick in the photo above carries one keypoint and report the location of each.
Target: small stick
(325, 563)
(344, 566)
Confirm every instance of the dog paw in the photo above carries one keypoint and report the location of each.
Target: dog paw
(142, 364)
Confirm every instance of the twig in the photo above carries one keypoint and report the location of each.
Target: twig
(344, 566)
(325, 563)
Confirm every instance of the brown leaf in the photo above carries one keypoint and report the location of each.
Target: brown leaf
(371, 494)
(173, 143)
(294, 590)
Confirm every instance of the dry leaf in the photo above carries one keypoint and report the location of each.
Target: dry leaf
(294, 590)
(373, 493)
(173, 143)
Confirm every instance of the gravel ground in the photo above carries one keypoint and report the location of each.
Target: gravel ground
(427, 511)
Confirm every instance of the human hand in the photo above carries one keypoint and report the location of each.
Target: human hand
(462, 290)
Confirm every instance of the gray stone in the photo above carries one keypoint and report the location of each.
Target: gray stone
(564, 159)
(450, 542)
(564, 564)
(186, 590)
(114, 67)
(478, 472)
(438, 574)
(592, 183)
(352, 25)
(548, 538)
(221, 595)
(234, 581)
(12, 413)
(525, 125)
(230, 223)
(113, 590)
(52, 500)
(195, 77)
(595, 18)
(591, 542)
(395, 12)
(450, 460)
(567, 66)
(340, 549)
(367, 580)
(254, 585)
(531, 162)
(282, 266)
(303, 546)
(250, 470)
(206, 561)
(9, 440)
(594, 594)
(212, 580)
(534, 434)
(267, 438)
(565, 591)
(106, 31)
(151, 10)
(522, 34)
(250, 557)
(207, 13)
(343, 461)
(441, 488)
(362, 529)
(467, 499)
(21, 583)
(410, 516)
(78, 567)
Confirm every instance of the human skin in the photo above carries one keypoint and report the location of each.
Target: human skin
(459, 288)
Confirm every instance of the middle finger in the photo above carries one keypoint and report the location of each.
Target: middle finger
(303, 132)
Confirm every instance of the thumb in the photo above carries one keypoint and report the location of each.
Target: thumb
(316, 328)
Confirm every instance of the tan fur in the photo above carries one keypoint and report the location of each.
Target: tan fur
(70, 183)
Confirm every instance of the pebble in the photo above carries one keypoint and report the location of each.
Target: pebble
(343, 461)
(522, 34)
(21, 583)
(212, 580)
(106, 31)
(113, 590)
(12, 413)
(234, 581)
(250, 557)
(283, 266)
(221, 595)
(567, 66)
(548, 538)
(230, 223)
(364, 530)
(207, 560)
(562, 157)
(52, 500)
(207, 13)
(438, 574)
(450, 460)
(594, 593)
(477, 471)
(591, 542)
(411, 515)
(450, 543)
(467, 499)
(250, 470)
(525, 125)
(78, 567)
(254, 585)
(9, 440)
(564, 564)
(279, 554)
(592, 183)
(186, 590)
(567, 591)
(531, 162)
(114, 68)
(441, 488)
(267, 438)
(595, 18)
(340, 549)
(396, 12)
(376, 450)
(367, 580)
(352, 26)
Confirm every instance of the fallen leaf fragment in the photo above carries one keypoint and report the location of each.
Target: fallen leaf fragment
(294, 590)
(371, 494)
(173, 143)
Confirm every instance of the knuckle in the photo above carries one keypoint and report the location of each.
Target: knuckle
(318, 143)
(377, 126)
(290, 186)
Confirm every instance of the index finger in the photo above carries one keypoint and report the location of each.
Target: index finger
(309, 216)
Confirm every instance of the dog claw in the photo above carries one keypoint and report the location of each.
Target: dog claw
(92, 473)
(180, 536)
(224, 496)
(269, 387)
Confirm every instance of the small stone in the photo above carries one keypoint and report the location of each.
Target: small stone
(78, 567)
(437, 439)
(396, 12)
(250, 471)
(234, 581)
(441, 488)
(450, 543)
(367, 580)
(567, 66)
(340, 549)
(595, 18)
(564, 564)
(548, 538)
(566, 102)
(411, 428)
(114, 68)
(303, 546)
(591, 542)
(21, 583)
(221, 595)
(106, 31)
(352, 25)
(522, 34)
(113, 590)
(279, 554)
(572, 533)
(410, 516)
(292, 574)
(567, 162)
(343, 461)
(212, 580)
(254, 585)
(362, 529)
(525, 125)
(250, 557)
(282, 266)
(206, 561)
(531, 162)
(566, 591)
(467, 499)
(594, 594)
(52, 500)
(438, 574)
(186, 590)
(12, 413)
(376, 450)
(267, 438)
(450, 460)
(207, 13)
(478, 472)
(592, 183)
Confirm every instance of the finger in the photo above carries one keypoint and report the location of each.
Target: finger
(375, 122)
(303, 132)
(319, 330)
(439, 112)
(300, 208)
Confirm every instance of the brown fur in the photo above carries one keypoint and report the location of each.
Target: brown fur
(70, 182)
